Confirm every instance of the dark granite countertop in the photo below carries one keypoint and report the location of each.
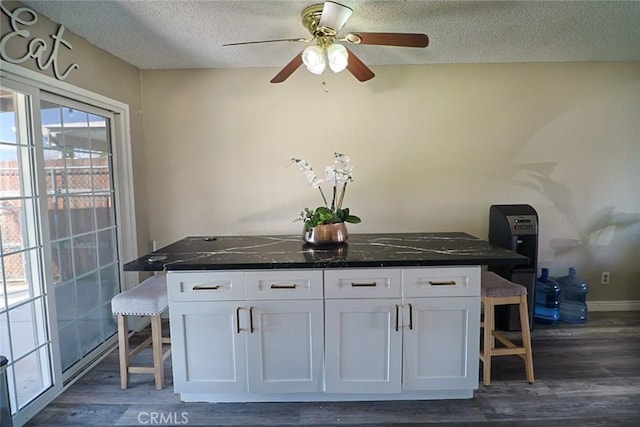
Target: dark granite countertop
(361, 250)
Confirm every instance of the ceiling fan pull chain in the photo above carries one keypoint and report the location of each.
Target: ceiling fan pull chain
(324, 82)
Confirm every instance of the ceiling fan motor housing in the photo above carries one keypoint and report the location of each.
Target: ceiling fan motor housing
(311, 17)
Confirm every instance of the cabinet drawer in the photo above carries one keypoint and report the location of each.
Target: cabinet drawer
(441, 281)
(205, 286)
(283, 284)
(365, 283)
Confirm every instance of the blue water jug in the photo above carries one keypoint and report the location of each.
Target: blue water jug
(547, 300)
(573, 298)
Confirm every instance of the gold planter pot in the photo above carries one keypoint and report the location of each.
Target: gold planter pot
(326, 234)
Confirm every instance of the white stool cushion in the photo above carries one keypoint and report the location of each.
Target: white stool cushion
(149, 298)
(492, 285)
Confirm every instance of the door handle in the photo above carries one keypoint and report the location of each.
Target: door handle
(238, 320)
(251, 319)
(410, 316)
(397, 317)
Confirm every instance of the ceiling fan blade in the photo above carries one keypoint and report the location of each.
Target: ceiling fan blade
(389, 39)
(334, 15)
(358, 69)
(288, 69)
(268, 41)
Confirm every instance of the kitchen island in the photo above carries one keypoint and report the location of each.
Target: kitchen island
(269, 318)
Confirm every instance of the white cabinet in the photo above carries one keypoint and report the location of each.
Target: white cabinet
(363, 340)
(441, 342)
(363, 346)
(391, 330)
(208, 351)
(223, 342)
(285, 346)
(441, 328)
(286, 331)
(337, 334)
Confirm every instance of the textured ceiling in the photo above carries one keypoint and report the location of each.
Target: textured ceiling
(153, 34)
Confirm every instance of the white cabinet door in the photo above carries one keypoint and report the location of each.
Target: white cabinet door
(363, 342)
(441, 343)
(285, 343)
(208, 349)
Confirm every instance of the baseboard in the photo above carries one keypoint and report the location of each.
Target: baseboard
(613, 305)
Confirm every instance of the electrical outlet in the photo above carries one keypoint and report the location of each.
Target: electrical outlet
(604, 278)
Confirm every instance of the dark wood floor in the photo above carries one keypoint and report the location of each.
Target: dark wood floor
(586, 375)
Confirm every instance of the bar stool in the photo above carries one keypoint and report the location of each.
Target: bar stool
(149, 298)
(496, 290)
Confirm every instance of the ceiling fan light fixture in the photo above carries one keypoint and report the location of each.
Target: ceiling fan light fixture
(338, 57)
(313, 59)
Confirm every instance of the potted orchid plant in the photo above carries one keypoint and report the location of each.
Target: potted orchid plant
(338, 175)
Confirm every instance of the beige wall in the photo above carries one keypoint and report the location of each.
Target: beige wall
(101, 73)
(432, 146)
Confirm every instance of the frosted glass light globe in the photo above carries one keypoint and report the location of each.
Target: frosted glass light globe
(313, 59)
(338, 57)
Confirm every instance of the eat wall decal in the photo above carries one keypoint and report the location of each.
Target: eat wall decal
(37, 47)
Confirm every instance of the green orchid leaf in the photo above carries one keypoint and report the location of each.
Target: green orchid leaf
(353, 219)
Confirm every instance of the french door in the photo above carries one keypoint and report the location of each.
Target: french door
(24, 337)
(78, 175)
(59, 252)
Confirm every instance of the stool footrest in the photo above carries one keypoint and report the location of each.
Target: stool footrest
(141, 370)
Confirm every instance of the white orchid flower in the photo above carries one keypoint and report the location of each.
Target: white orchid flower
(330, 174)
(343, 169)
(306, 168)
(338, 174)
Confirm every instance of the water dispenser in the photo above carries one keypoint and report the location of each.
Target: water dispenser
(515, 227)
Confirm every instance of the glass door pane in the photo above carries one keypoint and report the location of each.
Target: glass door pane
(82, 226)
(23, 333)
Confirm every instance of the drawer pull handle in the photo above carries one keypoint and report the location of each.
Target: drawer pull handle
(448, 283)
(238, 320)
(397, 316)
(291, 286)
(251, 319)
(355, 285)
(205, 287)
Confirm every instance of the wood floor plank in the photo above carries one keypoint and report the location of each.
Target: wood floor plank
(559, 408)
(389, 413)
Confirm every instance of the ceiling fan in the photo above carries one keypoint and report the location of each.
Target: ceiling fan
(324, 21)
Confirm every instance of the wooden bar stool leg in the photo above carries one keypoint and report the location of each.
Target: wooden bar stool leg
(156, 339)
(123, 349)
(526, 338)
(489, 340)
